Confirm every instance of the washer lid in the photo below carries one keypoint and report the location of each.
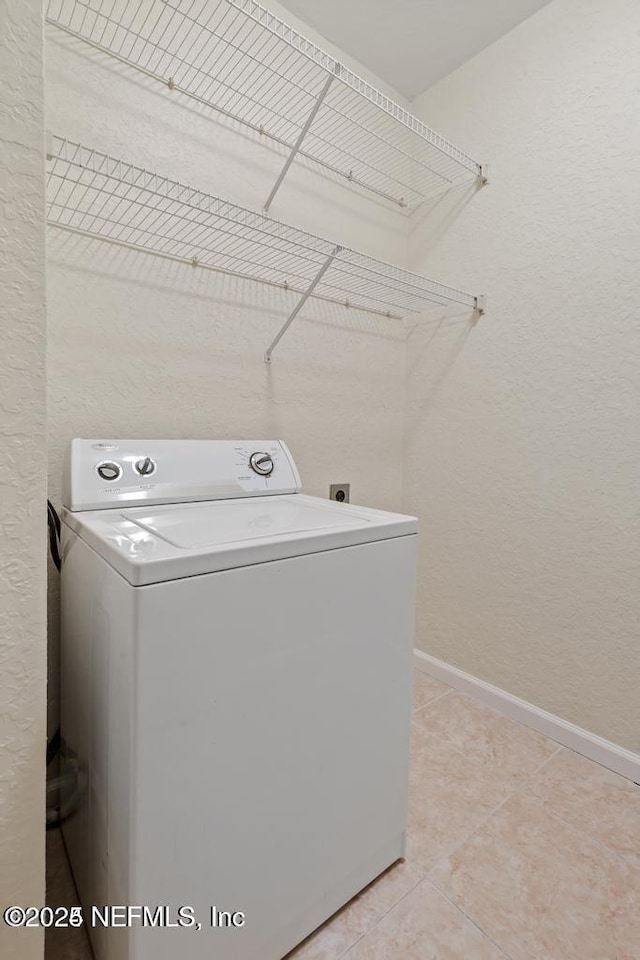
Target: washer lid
(231, 521)
(153, 544)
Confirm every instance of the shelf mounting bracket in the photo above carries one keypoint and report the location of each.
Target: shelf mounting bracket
(302, 135)
(301, 302)
(481, 304)
(483, 175)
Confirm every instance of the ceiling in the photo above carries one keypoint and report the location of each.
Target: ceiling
(412, 43)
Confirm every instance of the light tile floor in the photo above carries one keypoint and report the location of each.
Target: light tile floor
(517, 849)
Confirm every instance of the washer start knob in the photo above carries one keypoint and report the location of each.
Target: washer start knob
(261, 463)
(145, 466)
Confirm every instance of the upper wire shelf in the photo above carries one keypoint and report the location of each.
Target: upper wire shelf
(94, 194)
(242, 61)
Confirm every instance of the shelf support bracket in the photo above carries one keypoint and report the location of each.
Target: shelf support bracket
(301, 302)
(483, 175)
(302, 135)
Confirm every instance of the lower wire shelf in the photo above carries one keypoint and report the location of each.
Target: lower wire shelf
(97, 195)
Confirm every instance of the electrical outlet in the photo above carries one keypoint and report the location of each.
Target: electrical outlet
(339, 492)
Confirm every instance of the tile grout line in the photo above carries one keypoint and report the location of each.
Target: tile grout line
(459, 751)
(540, 766)
(550, 812)
(512, 790)
(517, 789)
(437, 697)
(434, 736)
(550, 815)
(553, 815)
(466, 916)
(452, 850)
(497, 713)
(424, 876)
(597, 763)
(481, 823)
(420, 880)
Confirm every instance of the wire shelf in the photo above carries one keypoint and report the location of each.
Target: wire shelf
(97, 195)
(242, 61)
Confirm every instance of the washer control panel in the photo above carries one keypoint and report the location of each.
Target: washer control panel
(110, 473)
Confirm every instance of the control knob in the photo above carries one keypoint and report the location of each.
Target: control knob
(109, 470)
(261, 463)
(145, 466)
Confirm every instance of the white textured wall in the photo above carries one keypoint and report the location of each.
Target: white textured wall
(142, 347)
(521, 442)
(523, 433)
(22, 471)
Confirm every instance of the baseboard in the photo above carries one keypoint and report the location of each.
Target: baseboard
(608, 754)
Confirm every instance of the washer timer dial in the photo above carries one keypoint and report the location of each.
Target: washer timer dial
(261, 463)
(145, 466)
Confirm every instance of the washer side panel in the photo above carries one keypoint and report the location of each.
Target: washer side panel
(98, 734)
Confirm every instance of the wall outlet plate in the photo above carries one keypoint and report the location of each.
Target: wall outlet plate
(340, 492)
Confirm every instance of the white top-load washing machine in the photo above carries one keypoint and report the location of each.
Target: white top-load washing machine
(236, 694)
